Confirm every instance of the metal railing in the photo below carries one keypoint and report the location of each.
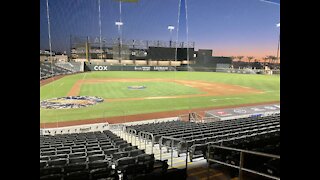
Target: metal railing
(146, 137)
(118, 129)
(172, 143)
(132, 132)
(240, 167)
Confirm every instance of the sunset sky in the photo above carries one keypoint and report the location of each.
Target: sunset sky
(229, 27)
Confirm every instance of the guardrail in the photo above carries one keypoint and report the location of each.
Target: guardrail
(240, 167)
(75, 129)
(145, 136)
(132, 132)
(118, 129)
(172, 142)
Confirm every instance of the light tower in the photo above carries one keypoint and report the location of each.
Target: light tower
(119, 24)
(170, 28)
(278, 25)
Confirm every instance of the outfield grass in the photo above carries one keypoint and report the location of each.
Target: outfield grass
(270, 85)
(120, 89)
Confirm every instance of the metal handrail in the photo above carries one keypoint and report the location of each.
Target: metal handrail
(240, 167)
(132, 132)
(172, 140)
(143, 135)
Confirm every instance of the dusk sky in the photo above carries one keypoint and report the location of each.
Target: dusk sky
(229, 27)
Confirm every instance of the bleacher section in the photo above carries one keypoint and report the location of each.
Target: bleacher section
(48, 70)
(268, 143)
(197, 136)
(259, 134)
(71, 66)
(95, 155)
(98, 155)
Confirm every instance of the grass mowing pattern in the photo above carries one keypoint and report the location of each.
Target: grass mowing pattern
(120, 89)
(269, 84)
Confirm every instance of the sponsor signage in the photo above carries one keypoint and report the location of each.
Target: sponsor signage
(160, 68)
(222, 113)
(142, 68)
(250, 111)
(270, 107)
(85, 129)
(100, 68)
(256, 115)
(240, 111)
(94, 67)
(257, 109)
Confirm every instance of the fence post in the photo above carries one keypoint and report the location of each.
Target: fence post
(139, 139)
(187, 155)
(208, 172)
(152, 143)
(135, 138)
(171, 152)
(145, 142)
(160, 142)
(241, 165)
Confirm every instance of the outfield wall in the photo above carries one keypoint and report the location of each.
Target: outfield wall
(92, 67)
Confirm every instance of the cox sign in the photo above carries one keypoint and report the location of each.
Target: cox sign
(100, 68)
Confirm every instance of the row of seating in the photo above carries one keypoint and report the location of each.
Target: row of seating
(48, 70)
(196, 136)
(175, 128)
(71, 66)
(92, 156)
(266, 143)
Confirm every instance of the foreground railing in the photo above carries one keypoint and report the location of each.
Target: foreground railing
(240, 167)
(146, 136)
(172, 144)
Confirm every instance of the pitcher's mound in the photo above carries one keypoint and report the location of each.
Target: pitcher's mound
(136, 87)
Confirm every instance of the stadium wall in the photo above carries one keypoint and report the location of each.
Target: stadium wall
(95, 67)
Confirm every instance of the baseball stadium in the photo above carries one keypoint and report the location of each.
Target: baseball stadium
(114, 105)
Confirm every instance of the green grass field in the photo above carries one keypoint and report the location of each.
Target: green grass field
(270, 85)
(120, 89)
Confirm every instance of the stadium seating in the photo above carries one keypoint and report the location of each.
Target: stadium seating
(93, 155)
(197, 136)
(264, 142)
(98, 155)
(48, 70)
(71, 66)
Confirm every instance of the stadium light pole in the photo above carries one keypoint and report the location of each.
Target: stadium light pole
(278, 25)
(49, 33)
(100, 30)
(170, 28)
(119, 24)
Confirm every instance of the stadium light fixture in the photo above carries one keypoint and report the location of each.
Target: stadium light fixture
(278, 25)
(170, 28)
(119, 23)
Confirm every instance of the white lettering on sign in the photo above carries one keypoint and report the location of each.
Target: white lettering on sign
(241, 111)
(142, 68)
(160, 68)
(270, 107)
(257, 109)
(100, 68)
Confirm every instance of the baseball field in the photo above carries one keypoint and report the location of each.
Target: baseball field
(163, 94)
